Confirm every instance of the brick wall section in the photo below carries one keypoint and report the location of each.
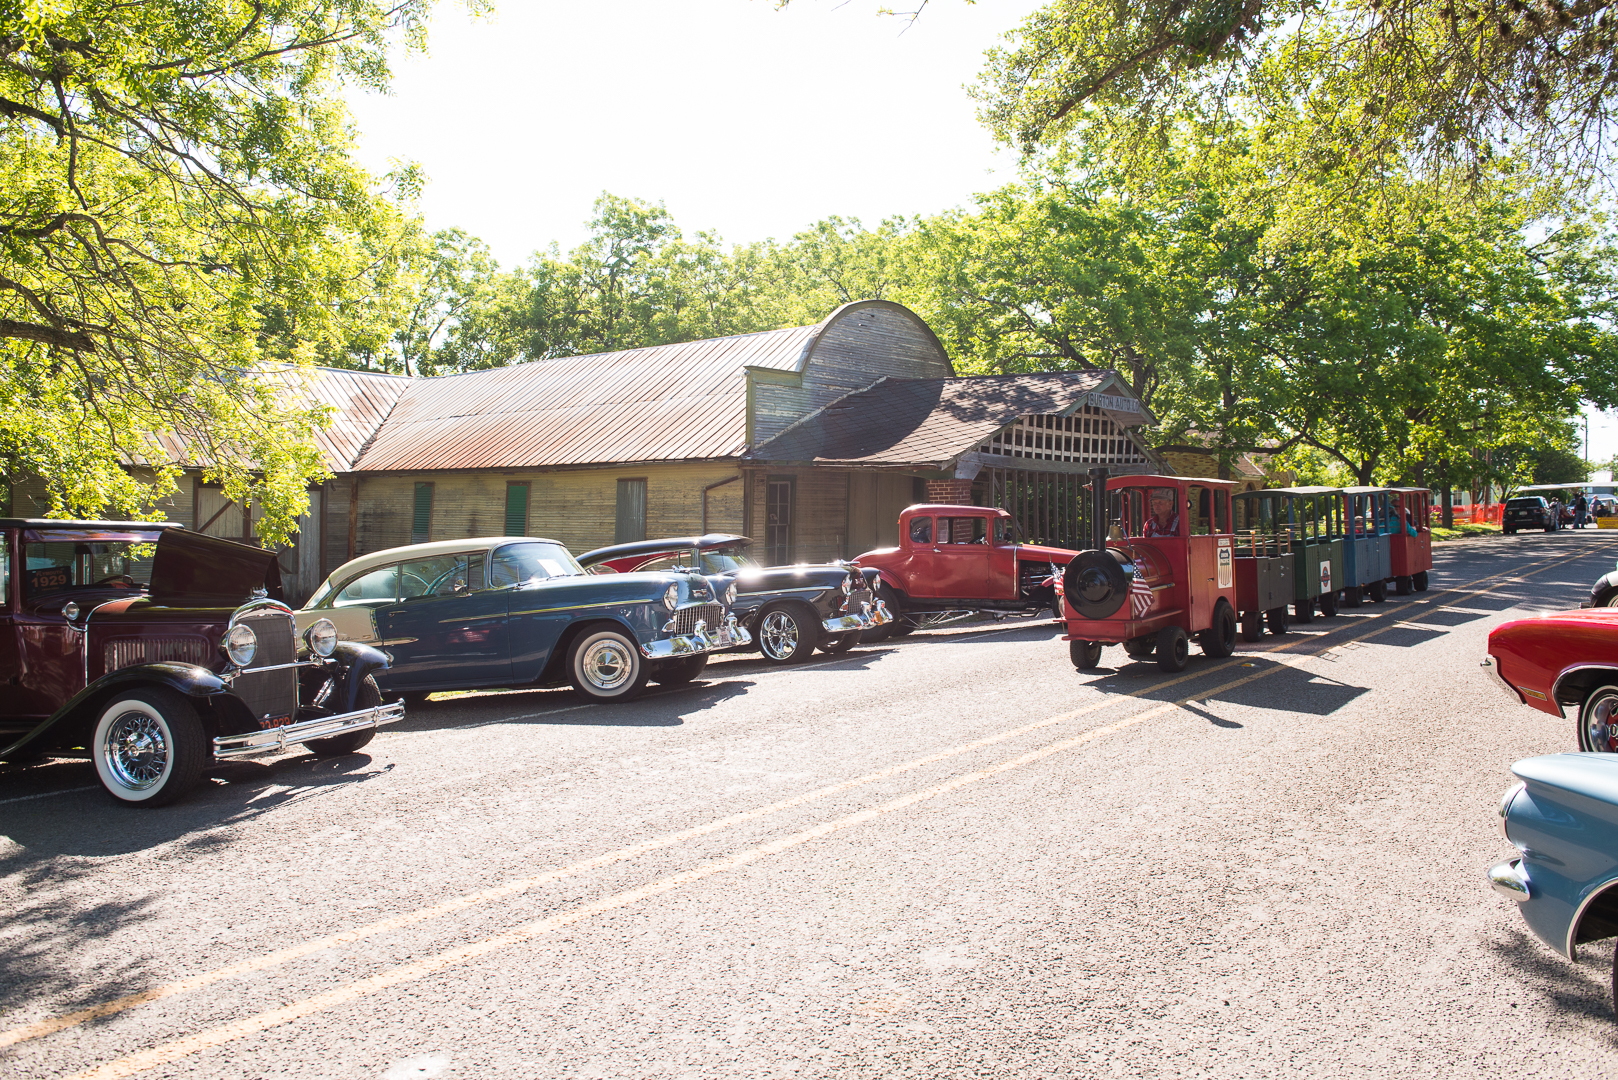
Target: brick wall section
(956, 492)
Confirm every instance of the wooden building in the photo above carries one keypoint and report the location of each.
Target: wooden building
(809, 439)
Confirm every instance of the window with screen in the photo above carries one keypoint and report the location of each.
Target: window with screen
(630, 523)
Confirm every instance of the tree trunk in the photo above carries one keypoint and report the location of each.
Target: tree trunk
(1448, 496)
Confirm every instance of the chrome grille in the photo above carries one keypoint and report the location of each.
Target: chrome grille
(685, 620)
(271, 695)
(127, 652)
(856, 598)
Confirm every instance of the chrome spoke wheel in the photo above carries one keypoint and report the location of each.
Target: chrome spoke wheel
(778, 635)
(136, 750)
(607, 665)
(1598, 722)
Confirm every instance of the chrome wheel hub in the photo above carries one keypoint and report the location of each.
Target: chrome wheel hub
(607, 665)
(1599, 725)
(136, 751)
(779, 635)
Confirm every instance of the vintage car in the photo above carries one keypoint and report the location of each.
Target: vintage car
(155, 650)
(1604, 593)
(1529, 512)
(503, 611)
(1566, 659)
(1161, 569)
(962, 558)
(789, 610)
(1562, 817)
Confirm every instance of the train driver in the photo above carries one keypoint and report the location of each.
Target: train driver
(1165, 520)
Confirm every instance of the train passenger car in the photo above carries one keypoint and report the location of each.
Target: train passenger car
(1264, 563)
(1367, 544)
(1411, 549)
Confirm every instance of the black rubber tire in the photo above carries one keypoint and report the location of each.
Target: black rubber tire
(840, 643)
(594, 654)
(1173, 649)
(787, 633)
(1379, 591)
(1328, 605)
(1276, 619)
(1140, 648)
(1084, 654)
(1353, 595)
(149, 713)
(1418, 580)
(1252, 626)
(900, 626)
(681, 671)
(1303, 611)
(1401, 586)
(1600, 710)
(369, 697)
(1509, 532)
(1219, 640)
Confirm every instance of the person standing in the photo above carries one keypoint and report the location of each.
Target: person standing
(1580, 505)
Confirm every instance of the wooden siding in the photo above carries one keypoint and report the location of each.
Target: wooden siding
(28, 499)
(577, 507)
(875, 500)
(820, 513)
(866, 344)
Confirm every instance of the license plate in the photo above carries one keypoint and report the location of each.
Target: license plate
(723, 637)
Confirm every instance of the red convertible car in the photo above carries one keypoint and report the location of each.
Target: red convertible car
(1567, 659)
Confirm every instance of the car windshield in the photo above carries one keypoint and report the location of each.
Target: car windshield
(66, 566)
(1523, 504)
(726, 560)
(515, 564)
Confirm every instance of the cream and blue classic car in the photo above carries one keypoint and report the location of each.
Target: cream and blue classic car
(511, 611)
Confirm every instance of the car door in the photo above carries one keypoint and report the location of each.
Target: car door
(447, 628)
(961, 558)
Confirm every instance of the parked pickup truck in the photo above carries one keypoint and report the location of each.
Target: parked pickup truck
(962, 558)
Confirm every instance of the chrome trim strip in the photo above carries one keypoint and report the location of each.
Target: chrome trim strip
(272, 740)
(1556, 687)
(727, 636)
(1572, 950)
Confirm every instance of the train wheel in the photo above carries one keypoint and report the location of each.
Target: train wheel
(1379, 591)
(1277, 618)
(1353, 596)
(1419, 580)
(1085, 654)
(1303, 611)
(1401, 585)
(1219, 640)
(1173, 649)
(1328, 605)
(1252, 625)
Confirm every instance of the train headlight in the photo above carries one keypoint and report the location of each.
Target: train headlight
(321, 637)
(240, 644)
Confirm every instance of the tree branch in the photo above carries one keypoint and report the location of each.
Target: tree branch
(46, 335)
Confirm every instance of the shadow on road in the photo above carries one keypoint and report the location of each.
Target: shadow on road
(1581, 989)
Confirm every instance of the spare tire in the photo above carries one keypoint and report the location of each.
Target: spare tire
(1095, 584)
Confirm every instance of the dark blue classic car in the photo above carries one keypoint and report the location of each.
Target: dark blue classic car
(1562, 817)
(508, 611)
(788, 610)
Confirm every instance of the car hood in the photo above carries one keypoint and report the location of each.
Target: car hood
(192, 568)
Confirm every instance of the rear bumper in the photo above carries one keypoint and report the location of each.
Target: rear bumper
(272, 740)
(727, 636)
(870, 615)
(1510, 880)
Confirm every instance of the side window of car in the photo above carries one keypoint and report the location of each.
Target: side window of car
(1000, 531)
(921, 530)
(980, 530)
(444, 575)
(377, 585)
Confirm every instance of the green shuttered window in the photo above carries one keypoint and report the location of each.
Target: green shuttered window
(421, 522)
(517, 509)
(631, 524)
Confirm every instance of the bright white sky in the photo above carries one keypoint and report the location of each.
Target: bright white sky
(743, 119)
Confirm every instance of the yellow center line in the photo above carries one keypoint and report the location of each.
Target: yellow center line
(521, 885)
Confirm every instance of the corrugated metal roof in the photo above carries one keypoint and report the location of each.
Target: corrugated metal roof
(663, 403)
(922, 422)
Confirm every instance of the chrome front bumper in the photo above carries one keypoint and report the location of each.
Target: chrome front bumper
(1510, 880)
(728, 636)
(870, 615)
(1492, 669)
(272, 740)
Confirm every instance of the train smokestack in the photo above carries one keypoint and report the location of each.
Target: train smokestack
(1098, 509)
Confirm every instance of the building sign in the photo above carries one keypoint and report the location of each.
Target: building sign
(1115, 403)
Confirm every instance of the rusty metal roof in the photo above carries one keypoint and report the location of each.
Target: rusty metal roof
(923, 422)
(663, 403)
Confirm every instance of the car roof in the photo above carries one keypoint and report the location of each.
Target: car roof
(706, 542)
(435, 547)
(60, 523)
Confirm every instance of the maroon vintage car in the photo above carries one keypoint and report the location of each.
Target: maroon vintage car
(155, 650)
(962, 558)
(1567, 659)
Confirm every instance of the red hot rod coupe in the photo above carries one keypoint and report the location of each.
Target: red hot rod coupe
(962, 558)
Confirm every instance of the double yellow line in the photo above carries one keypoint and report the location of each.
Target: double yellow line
(182, 1047)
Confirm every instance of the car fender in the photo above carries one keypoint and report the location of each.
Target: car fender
(1574, 683)
(192, 680)
(359, 660)
(884, 577)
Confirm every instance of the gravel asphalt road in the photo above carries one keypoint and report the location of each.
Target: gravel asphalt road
(947, 856)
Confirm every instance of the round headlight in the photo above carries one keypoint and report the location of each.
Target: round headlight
(321, 637)
(730, 594)
(671, 597)
(240, 644)
(848, 584)
(70, 611)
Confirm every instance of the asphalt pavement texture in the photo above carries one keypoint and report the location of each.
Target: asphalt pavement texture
(948, 855)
